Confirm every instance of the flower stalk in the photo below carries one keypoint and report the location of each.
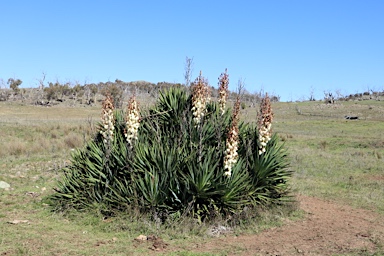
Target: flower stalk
(132, 121)
(223, 91)
(108, 120)
(232, 141)
(265, 123)
(200, 97)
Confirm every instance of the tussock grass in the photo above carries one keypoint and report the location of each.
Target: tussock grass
(15, 149)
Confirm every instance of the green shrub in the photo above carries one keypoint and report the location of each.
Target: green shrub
(175, 167)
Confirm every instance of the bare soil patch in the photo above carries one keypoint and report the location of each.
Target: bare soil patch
(327, 229)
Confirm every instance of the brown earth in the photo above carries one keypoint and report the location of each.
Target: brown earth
(327, 229)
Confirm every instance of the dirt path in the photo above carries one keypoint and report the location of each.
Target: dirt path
(328, 229)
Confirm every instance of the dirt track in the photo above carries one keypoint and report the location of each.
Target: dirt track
(327, 229)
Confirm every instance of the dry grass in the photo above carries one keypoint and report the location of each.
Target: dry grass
(27, 131)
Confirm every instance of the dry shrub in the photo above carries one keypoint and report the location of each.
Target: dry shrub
(17, 148)
(54, 135)
(73, 140)
(44, 144)
(323, 145)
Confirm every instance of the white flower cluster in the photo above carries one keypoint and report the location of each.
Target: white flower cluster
(198, 110)
(108, 124)
(223, 91)
(222, 100)
(200, 97)
(265, 123)
(264, 137)
(132, 121)
(230, 155)
(232, 141)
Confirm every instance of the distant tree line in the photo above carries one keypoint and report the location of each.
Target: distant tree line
(78, 93)
(331, 98)
(51, 93)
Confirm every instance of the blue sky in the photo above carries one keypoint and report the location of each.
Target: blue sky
(285, 47)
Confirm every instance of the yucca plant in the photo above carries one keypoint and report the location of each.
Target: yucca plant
(188, 156)
(269, 172)
(94, 171)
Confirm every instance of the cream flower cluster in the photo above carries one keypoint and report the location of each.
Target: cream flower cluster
(132, 121)
(264, 137)
(230, 153)
(198, 111)
(265, 123)
(108, 120)
(232, 142)
(200, 98)
(223, 91)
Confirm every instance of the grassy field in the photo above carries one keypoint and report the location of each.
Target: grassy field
(333, 158)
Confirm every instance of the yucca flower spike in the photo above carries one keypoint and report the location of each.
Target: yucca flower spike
(200, 97)
(107, 119)
(223, 91)
(132, 121)
(232, 141)
(265, 123)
